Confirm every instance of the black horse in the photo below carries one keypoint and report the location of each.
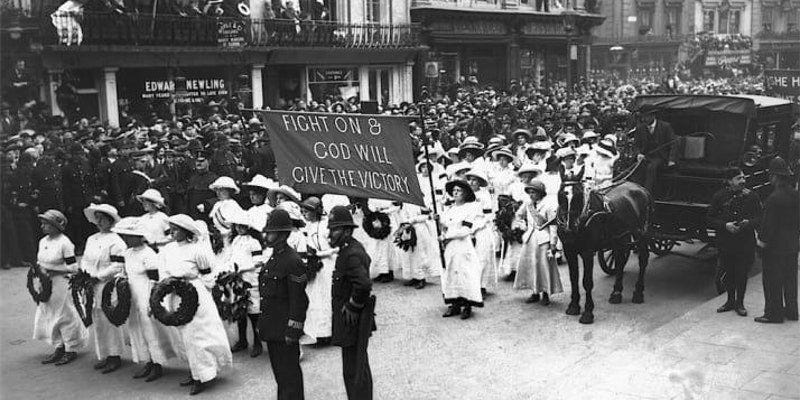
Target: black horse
(609, 218)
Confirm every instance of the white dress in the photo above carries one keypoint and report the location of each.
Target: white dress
(56, 321)
(383, 251)
(204, 338)
(150, 340)
(259, 214)
(155, 226)
(245, 253)
(423, 261)
(537, 269)
(221, 214)
(103, 259)
(461, 280)
(485, 238)
(319, 317)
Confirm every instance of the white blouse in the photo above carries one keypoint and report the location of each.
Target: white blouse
(155, 226)
(185, 259)
(53, 253)
(103, 257)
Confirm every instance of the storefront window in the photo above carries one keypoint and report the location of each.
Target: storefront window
(379, 86)
(333, 83)
(372, 10)
(645, 18)
(709, 20)
(674, 20)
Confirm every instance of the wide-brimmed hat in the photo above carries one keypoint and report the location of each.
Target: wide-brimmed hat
(583, 150)
(464, 185)
(523, 132)
(224, 182)
(152, 195)
(286, 191)
(529, 168)
(424, 162)
(536, 186)
(279, 221)
(313, 204)
(340, 217)
(186, 223)
(606, 147)
(107, 209)
(130, 226)
(479, 175)
(454, 169)
(504, 152)
(589, 134)
(779, 167)
(469, 147)
(293, 209)
(55, 218)
(260, 182)
(567, 138)
(565, 152)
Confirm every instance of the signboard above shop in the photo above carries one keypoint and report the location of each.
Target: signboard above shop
(231, 33)
(727, 57)
(785, 82)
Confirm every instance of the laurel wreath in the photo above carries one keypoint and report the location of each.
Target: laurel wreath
(406, 237)
(377, 225)
(504, 221)
(117, 314)
(35, 273)
(231, 295)
(81, 285)
(187, 308)
(313, 263)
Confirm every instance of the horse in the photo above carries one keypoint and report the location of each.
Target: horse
(608, 218)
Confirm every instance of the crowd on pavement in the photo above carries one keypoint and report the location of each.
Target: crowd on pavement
(197, 197)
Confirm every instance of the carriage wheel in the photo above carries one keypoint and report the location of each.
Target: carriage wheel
(606, 260)
(661, 247)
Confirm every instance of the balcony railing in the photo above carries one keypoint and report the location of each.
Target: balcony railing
(110, 29)
(554, 6)
(785, 35)
(641, 39)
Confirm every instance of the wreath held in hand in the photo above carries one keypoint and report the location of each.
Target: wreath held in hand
(117, 314)
(231, 296)
(186, 310)
(81, 285)
(406, 237)
(45, 284)
(377, 225)
(313, 263)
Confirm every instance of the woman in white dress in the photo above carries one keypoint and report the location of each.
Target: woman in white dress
(151, 342)
(103, 260)
(537, 269)
(154, 221)
(56, 321)
(461, 279)
(319, 317)
(225, 207)
(483, 228)
(257, 189)
(423, 261)
(204, 337)
(383, 251)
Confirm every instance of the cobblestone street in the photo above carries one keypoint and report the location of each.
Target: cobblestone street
(672, 347)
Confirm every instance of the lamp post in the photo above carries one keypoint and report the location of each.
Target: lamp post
(569, 27)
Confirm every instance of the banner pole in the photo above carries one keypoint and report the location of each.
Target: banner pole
(425, 142)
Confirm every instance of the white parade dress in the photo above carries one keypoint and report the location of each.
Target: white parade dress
(319, 317)
(204, 338)
(383, 251)
(483, 228)
(423, 261)
(461, 280)
(245, 253)
(155, 226)
(103, 259)
(56, 321)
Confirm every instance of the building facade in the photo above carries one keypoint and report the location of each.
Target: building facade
(176, 59)
(776, 28)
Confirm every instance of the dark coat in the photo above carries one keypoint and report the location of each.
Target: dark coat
(282, 284)
(645, 142)
(351, 288)
(780, 227)
(728, 206)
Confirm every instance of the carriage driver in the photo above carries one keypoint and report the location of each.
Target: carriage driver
(654, 142)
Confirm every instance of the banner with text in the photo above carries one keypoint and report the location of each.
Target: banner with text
(784, 82)
(350, 154)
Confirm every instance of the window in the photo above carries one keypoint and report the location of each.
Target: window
(709, 20)
(372, 11)
(729, 22)
(674, 20)
(768, 19)
(645, 18)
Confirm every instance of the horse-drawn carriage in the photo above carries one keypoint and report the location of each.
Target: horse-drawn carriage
(714, 134)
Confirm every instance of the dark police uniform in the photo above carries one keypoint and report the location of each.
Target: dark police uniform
(282, 283)
(780, 232)
(351, 288)
(736, 250)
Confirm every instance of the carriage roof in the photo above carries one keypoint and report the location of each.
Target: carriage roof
(743, 104)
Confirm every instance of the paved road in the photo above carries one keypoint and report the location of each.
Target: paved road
(509, 350)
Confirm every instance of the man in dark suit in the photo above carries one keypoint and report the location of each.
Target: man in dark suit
(654, 143)
(282, 284)
(352, 304)
(780, 234)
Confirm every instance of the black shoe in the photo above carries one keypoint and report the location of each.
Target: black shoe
(114, 362)
(380, 278)
(791, 317)
(768, 320)
(725, 308)
(452, 311)
(101, 364)
(144, 371)
(67, 358)
(533, 299)
(155, 373)
(55, 356)
(257, 350)
(545, 300)
(239, 346)
(389, 277)
(187, 382)
(420, 284)
(741, 311)
(412, 282)
(197, 387)
(467, 312)
(510, 277)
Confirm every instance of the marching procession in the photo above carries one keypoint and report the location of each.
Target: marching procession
(179, 239)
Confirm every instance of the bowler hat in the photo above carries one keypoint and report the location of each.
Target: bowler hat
(340, 217)
(279, 221)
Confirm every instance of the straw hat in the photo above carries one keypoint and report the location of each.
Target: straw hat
(293, 209)
(529, 168)
(186, 223)
(606, 147)
(565, 152)
(261, 182)
(152, 195)
(55, 218)
(107, 209)
(130, 226)
(286, 191)
(479, 175)
(504, 152)
(224, 182)
(536, 186)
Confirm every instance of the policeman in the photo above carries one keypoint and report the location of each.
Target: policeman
(734, 213)
(282, 283)
(352, 304)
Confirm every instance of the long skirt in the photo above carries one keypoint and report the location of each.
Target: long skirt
(109, 340)
(204, 338)
(510, 257)
(461, 279)
(484, 247)
(537, 270)
(382, 254)
(423, 261)
(150, 339)
(57, 322)
(319, 317)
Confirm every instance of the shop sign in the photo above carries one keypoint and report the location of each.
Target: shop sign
(543, 28)
(189, 90)
(334, 75)
(231, 33)
(354, 155)
(471, 27)
(782, 82)
(727, 57)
